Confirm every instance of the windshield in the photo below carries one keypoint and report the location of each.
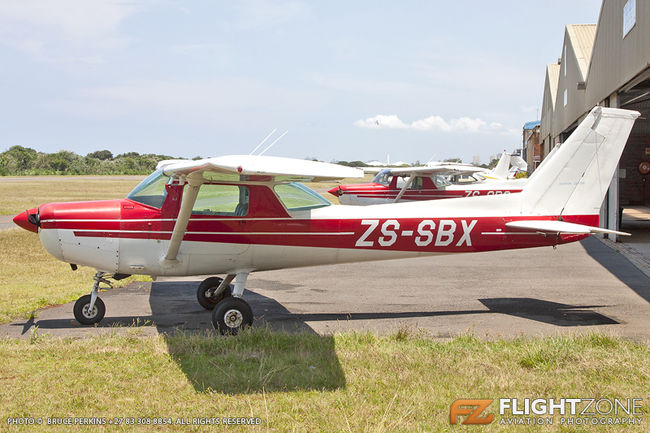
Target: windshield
(296, 196)
(383, 177)
(151, 191)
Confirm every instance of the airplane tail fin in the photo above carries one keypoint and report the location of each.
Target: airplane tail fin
(501, 169)
(518, 163)
(575, 180)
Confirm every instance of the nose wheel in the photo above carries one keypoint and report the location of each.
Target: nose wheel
(87, 314)
(89, 309)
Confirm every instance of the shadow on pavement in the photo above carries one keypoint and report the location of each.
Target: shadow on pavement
(548, 312)
(619, 266)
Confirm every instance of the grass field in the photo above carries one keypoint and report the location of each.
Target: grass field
(308, 383)
(19, 194)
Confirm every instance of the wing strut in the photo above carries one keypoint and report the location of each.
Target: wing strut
(404, 188)
(189, 198)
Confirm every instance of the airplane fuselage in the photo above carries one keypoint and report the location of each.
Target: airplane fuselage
(124, 236)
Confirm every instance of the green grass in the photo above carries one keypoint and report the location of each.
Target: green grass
(305, 382)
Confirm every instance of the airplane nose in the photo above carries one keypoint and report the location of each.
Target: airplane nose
(29, 220)
(336, 191)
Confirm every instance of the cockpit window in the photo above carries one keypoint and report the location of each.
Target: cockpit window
(383, 177)
(440, 181)
(416, 183)
(296, 196)
(151, 191)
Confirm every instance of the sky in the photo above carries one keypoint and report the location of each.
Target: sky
(348, 80)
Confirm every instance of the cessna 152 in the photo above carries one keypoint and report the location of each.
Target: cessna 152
(425, 183)
(235, 215)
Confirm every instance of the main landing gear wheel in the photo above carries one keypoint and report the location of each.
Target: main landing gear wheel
(207, 288)
(231, 316)
(87, 316)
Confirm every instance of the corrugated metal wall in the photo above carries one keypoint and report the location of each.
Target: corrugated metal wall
(617, 59)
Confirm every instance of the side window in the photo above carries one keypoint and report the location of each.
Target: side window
(400, 182)
(416, 183)
(296, 196)
(440, 182)
(230, 200)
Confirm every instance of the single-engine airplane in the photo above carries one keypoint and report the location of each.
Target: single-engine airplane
(393, 185)
(235, 215)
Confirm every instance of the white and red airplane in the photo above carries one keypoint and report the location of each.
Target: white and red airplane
(393, 185)
(235, 215)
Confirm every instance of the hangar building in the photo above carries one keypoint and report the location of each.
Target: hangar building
(605, 64)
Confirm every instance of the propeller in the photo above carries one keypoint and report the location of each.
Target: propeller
(35, 218)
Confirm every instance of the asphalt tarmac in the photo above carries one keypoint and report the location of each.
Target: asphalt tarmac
(577, 288)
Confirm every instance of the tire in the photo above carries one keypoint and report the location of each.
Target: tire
(231, 316)
(208, 284)
(86, 317)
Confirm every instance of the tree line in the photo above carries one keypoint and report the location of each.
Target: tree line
(20, 161)
(24, 161)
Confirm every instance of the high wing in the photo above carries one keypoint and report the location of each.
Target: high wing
(277, 167)
(442, 168)
(560, 227)
(374, 170)
(280, 169)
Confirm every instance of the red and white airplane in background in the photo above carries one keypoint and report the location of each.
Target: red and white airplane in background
(392, 185)
(235, 215)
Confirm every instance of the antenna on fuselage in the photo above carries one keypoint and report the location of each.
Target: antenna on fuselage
(263, 141)
(274, 141)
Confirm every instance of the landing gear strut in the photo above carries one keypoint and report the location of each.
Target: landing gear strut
(90, 309)
(231, 313)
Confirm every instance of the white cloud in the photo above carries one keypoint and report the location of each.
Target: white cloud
(436, 123)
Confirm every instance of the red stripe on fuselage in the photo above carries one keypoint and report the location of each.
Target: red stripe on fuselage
(398, 234)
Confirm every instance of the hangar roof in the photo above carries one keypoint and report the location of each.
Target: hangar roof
(553, 76)
(582, 37)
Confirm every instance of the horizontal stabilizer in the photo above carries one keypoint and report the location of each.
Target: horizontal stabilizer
(561, 227)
